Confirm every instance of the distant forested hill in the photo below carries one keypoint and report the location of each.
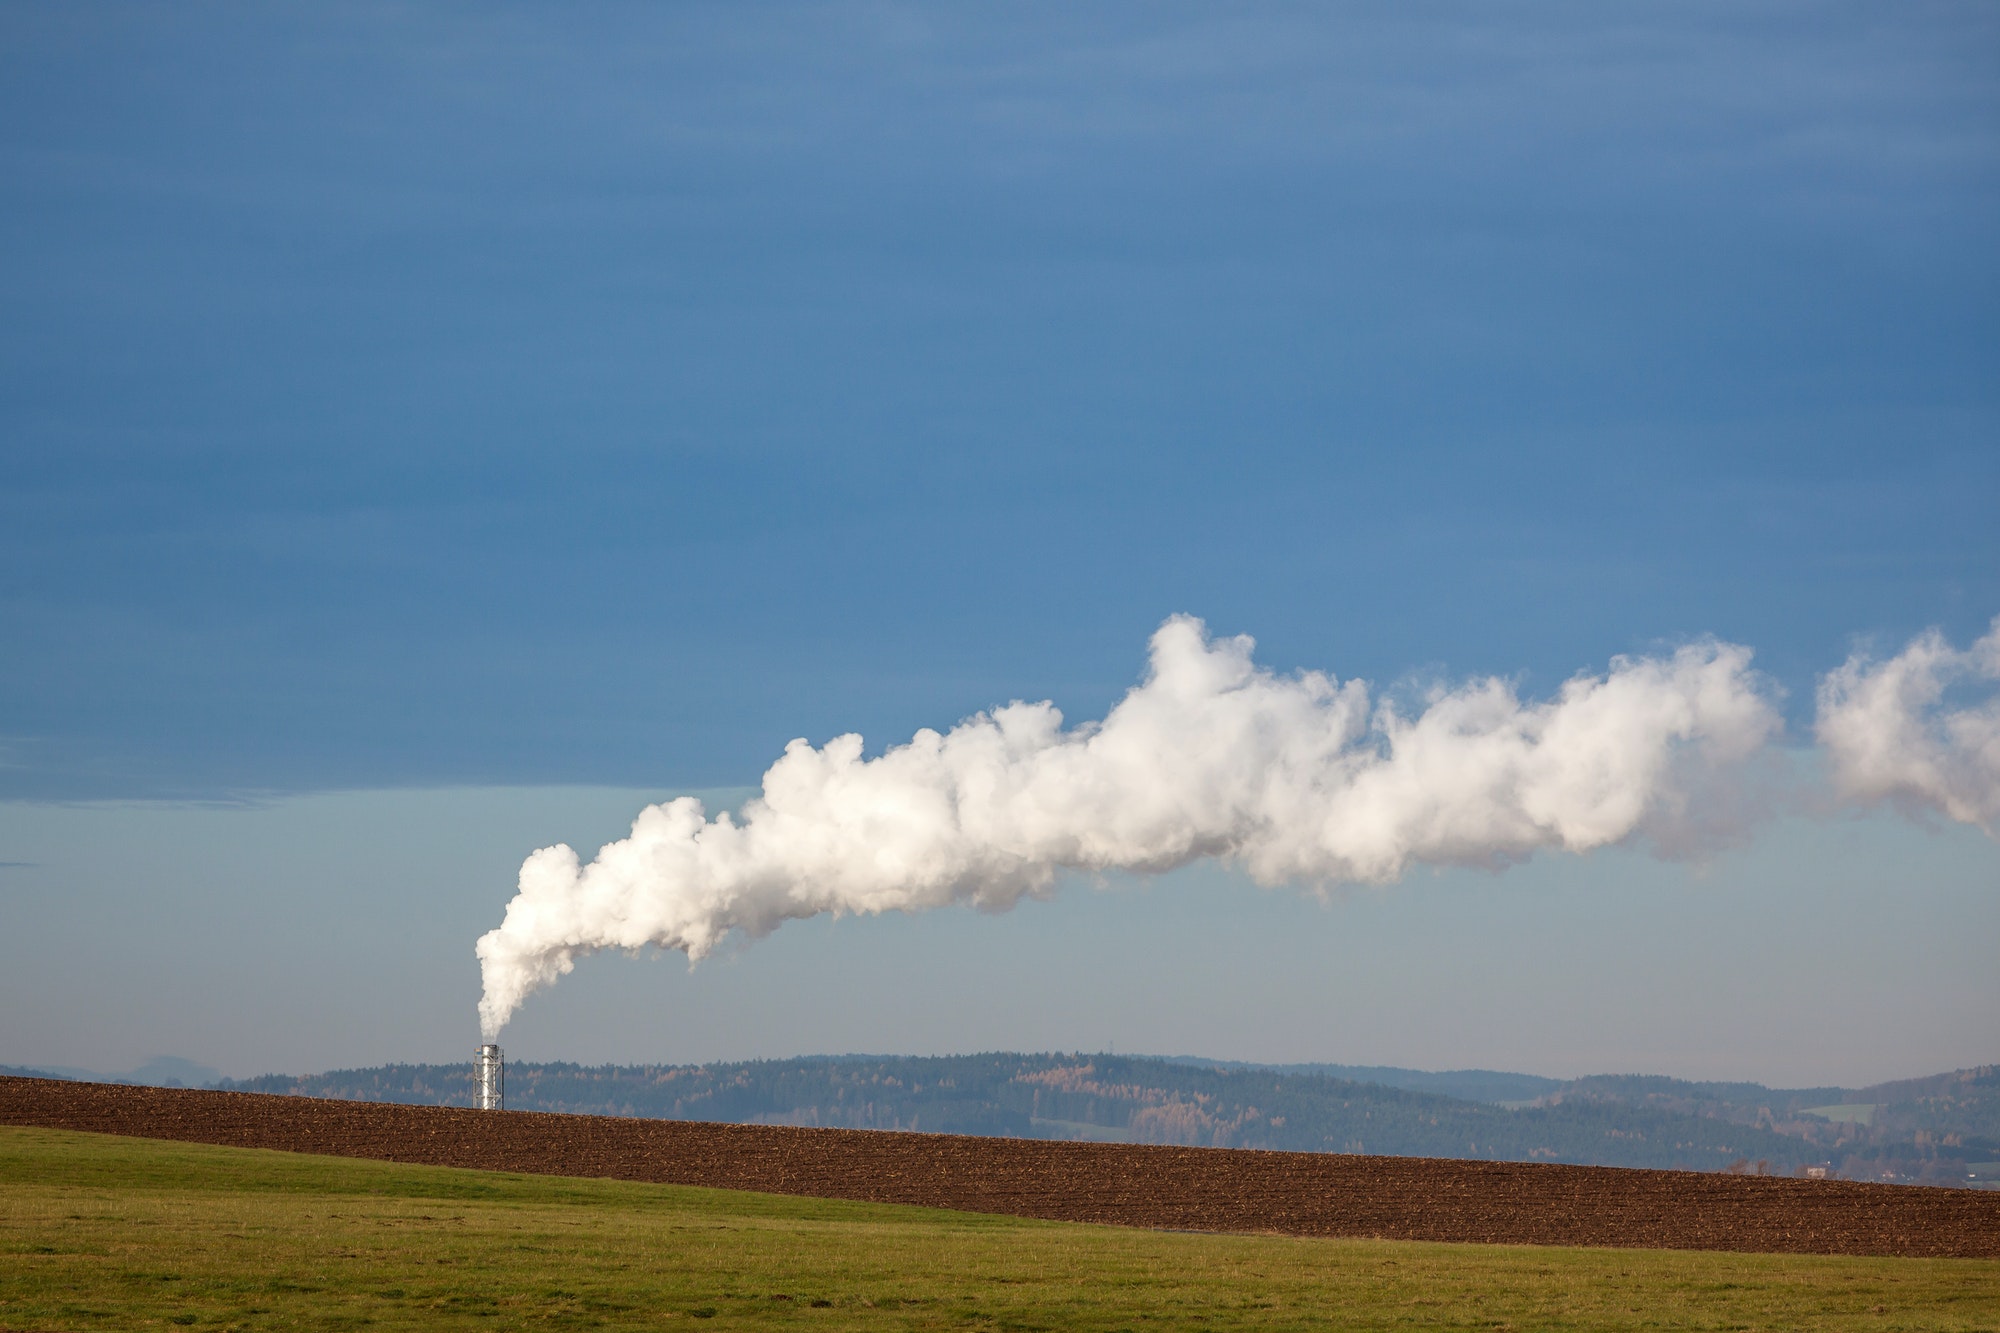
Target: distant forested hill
(1472, 1085)
(1944, 1129)
(1126, 1099)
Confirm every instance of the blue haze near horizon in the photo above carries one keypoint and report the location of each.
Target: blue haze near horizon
(335, 931)
(406, 412)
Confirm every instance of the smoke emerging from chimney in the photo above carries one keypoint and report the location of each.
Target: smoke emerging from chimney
(1891, 734)
(1298, 779)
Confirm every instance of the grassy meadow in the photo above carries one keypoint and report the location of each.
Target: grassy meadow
(112, 1233)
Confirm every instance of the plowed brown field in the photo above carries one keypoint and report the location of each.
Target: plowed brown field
(1196, 1189)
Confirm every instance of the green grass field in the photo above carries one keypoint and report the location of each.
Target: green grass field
(111, 1233)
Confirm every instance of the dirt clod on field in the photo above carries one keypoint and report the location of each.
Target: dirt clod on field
(1192, 1189)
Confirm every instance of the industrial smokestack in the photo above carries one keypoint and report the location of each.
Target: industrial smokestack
(489, 1072)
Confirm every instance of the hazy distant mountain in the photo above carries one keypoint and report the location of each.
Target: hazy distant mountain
(1607, 1120)
(1472, 1085)
(164, 1071)
(1942, 1129)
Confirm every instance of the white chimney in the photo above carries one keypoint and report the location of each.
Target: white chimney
(489, 1073)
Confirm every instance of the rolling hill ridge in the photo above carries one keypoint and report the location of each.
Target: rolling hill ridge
(1939, 1130)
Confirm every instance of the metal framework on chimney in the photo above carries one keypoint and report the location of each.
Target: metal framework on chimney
(489, 1073)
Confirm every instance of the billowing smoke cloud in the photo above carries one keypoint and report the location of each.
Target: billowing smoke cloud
(1890, 735)
(1297, 779)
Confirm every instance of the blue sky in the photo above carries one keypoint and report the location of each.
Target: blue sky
(447, 399)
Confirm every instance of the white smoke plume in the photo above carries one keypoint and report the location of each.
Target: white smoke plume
(1890, 736)
(1297, 779)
